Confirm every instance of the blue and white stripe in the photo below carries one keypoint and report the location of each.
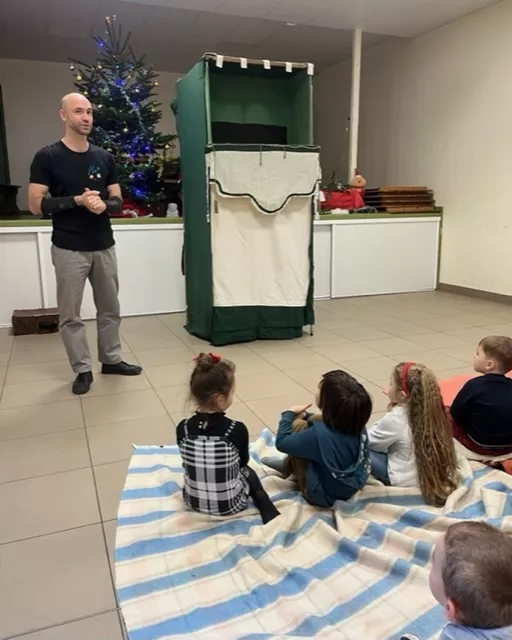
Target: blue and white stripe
(358, 572)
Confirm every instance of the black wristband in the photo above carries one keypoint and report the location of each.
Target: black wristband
(114, 205)
(49, 206)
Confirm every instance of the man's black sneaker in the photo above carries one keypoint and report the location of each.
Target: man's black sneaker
(82, 383)
(121, 369)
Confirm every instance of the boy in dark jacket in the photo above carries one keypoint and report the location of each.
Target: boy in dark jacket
(482, 410)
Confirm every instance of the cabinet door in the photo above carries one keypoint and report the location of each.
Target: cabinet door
(375, 257)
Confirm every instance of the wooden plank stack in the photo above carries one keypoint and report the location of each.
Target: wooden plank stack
(401, 199)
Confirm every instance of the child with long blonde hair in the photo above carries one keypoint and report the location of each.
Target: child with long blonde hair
(412, 444)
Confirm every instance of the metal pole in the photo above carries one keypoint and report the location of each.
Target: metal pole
(357, 47)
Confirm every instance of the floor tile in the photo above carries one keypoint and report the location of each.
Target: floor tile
(110, 528)
(265, 385)
(36, 356)
(444, 323)
(444, 374)
(108, 385)
(374, 369)
(23, 373)
(40, 419)
(4, 359)
(477, 320)
(101, 627)
(401, 329)
(240, 411)
(30, 393)
(269, 346)
(54, 579)
(40, 506)
(390, 346)
(431, 359)
(176, 399)
(42, 455)
(110, 479)
(438, 340)
(473, 335)
(380, 400)
(269, 410)
(170, 374)
(310, 377)
(320, 338)
(340, 353)
(464, 353)
(38, 341)
(503, 329)
(358, 334)
(159, 357)
(140, 339)
(113, 442)
(6, 342)
(144, 322)
(254, 363)
(290, 359)
(121, 406)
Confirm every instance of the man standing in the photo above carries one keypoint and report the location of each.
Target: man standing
(81, 180)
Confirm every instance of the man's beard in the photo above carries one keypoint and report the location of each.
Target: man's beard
(83, 131)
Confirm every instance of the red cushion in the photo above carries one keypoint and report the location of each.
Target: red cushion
(451, 387)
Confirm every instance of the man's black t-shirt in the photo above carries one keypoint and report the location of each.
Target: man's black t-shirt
(69, 173)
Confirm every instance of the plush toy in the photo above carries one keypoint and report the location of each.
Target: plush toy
(358, 182)
(299, 424)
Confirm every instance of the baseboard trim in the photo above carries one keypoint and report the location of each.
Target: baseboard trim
(475, 293)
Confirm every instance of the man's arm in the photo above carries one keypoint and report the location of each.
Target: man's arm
(114, 191)
(36, 192)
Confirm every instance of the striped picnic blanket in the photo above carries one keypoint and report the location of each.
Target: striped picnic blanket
(359, 572)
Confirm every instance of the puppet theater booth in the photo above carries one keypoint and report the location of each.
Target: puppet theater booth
(250, 180)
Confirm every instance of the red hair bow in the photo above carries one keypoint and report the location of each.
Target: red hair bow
(215, 358)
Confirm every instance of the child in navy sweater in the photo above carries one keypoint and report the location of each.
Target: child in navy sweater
(328, 454)
(482, 410)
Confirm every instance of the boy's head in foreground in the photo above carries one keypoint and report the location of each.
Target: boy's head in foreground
(493, 355)
(471, 575)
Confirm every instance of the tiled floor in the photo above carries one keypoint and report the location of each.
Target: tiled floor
(63, 459)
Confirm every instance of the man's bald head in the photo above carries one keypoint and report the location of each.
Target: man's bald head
(76, 113)
(70, 100)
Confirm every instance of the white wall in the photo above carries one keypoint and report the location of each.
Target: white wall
(437, 111)
(331, 92)
(31, 93)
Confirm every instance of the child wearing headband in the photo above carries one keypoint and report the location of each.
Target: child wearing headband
(215, 449)
(412, 444)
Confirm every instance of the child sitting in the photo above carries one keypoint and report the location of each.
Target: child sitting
(471, 578)
(412, 444)
(482, 410)
(215, 449)
(328, 454)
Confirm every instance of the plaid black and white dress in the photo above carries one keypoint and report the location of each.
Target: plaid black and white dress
(215, 453)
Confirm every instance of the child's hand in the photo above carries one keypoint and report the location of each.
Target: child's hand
(300, 409)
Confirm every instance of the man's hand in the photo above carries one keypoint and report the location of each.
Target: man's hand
(80, 200)
(92, 201)
(300, 409)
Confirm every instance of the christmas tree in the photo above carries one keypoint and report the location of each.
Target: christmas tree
(121, 88)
